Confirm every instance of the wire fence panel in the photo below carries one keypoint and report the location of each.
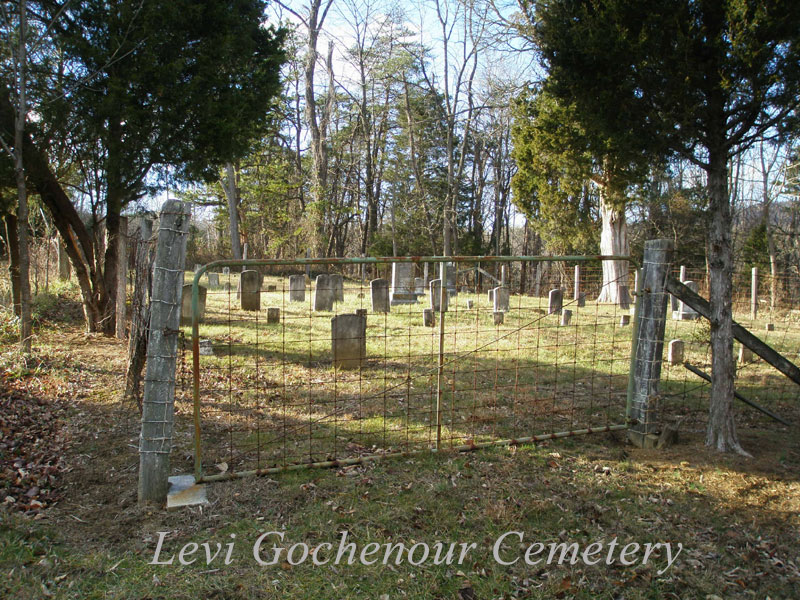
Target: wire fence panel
(776, 321)
(315, 372)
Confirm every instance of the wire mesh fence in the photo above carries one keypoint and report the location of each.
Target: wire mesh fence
(307, 364)
(772, 314)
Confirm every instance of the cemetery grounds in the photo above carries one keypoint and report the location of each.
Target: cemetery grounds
(71, 527)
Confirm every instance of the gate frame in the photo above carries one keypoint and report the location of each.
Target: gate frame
(443, 260)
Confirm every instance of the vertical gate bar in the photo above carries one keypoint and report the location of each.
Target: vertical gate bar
(637, 295)
(198, 462)
(440, 370)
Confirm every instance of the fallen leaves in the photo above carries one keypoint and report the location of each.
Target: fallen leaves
(32, 445)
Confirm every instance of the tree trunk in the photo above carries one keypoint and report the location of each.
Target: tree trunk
(26, 321)
(721, 432)
(613, 240)
(232, 194)
(13, 261)
(64, 269)
(523, 275)
(140, 311)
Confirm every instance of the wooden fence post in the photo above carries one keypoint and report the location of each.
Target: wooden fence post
(122, 277)
(649, 343)
(144, 256)
(155, 441)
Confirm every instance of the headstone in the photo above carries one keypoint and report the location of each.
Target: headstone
(675, 352)
(674, 302)
(206, 348)
(745, 355)
(501, 299)
(272, 288)
(402, 291)
(470, 304)
(197, 267)
(581, 299)
(498, 317)
(566, 317)
(419, 286)
(348, 340)
(226, 271)
(186, 303)
(297, 288)
(684, 312)
(555, 301)
(323, 294)
(213, 280)
(273, 315)
(337, 284)
(361, 312)
(436, 295)
(428, 318)
(624, 320)
(770, 326)
(452, 275)
(250, 290)
(379, 290)
(624, 297)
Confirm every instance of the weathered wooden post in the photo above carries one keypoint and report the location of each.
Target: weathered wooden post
(754, 293)
(577, 286)
(648, 343)
(155, 441)
(122, 277)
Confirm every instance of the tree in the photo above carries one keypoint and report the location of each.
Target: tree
(147, 84)
(705, 79)
(557, 156)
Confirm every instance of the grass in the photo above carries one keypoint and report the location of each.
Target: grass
(736, 518)
(271, 395)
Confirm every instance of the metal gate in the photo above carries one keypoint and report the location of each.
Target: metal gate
(283, 379)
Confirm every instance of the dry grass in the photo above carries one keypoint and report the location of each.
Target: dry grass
(736, 518)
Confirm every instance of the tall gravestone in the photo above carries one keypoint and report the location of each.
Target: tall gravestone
(186, 303)
(250, 285)
(419, 286)
(337, 285)
(379, 289)
(213, 280)
(402, 291)
(500, 299)
(348, 341)
(323, 294)
(297, 288)
(555, 301)
(685, 312)
(452, 276)
(436, 296)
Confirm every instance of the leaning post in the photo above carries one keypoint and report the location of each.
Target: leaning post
(155, 441)
(648, 344)
(122, 277)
